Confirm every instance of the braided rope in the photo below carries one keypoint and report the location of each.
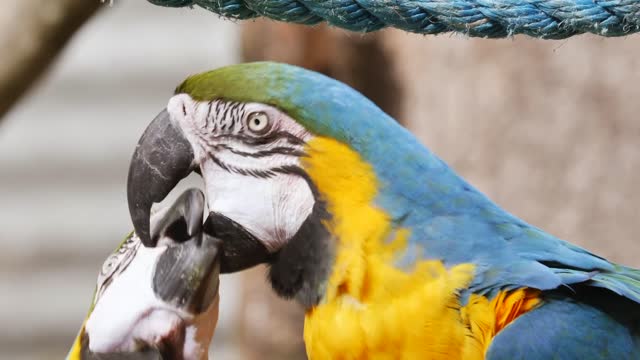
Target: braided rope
(548, 19)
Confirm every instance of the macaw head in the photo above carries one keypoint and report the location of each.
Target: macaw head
(142, 307)
(287, 156)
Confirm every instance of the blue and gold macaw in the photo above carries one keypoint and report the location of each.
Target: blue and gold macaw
(392, 254)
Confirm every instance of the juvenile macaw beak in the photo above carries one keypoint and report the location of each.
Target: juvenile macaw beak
(197, 257)
(162, 158)
(157, 302)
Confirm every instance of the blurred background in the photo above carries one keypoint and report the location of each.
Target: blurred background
(548, 129)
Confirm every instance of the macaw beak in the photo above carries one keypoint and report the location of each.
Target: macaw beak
(161, 159)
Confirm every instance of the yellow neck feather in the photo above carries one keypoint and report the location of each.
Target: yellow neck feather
(349, 187)
(373, 310)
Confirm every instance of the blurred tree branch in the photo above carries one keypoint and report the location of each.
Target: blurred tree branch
(32, 33)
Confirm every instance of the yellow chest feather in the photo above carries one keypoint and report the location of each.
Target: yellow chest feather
(412, 316)
(373, 310)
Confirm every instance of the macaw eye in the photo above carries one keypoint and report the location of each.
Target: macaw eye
(258, 122)
(116, 263)
(109, 265)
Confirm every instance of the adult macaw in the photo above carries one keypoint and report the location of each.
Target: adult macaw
(156, 302)
(392, 254)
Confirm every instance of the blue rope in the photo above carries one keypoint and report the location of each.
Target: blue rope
(548, 19)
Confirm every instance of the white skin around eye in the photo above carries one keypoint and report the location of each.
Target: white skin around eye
(272, 207)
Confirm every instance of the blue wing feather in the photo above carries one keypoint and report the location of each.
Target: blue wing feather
(566, 329)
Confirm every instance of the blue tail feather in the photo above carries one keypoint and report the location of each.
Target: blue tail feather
(622, 280)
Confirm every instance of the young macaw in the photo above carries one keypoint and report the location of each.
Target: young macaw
(156, 302)
(392, 254)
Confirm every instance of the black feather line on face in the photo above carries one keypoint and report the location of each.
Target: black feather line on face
(208, 118)
(224, 116)
(280, 150)
(253, 140)
(235, 113)
(296, 170)
(216, 117)
(261, 174)
(218, 105)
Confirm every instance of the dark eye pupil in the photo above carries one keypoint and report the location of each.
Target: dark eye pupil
(256, 121)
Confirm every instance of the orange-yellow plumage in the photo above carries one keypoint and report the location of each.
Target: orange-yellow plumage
(371, 308)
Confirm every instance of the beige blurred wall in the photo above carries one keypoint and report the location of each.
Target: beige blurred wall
(550, 130)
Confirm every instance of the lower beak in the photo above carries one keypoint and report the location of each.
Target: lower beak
(161, 159)
(187, 276)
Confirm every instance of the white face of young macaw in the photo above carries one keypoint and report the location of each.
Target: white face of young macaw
(164, 297)
(129, 313)
(252, 151)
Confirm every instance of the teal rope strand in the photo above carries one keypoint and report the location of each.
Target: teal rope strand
(548, 19)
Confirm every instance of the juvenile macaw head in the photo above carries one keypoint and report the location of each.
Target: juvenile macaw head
(286, 154)
(160, 302)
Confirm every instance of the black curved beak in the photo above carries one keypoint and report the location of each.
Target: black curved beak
(161, 159)
(186, 274)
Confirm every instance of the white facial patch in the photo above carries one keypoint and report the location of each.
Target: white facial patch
(252, 172)
(271, 209)
(126, 303)
(127, 311)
